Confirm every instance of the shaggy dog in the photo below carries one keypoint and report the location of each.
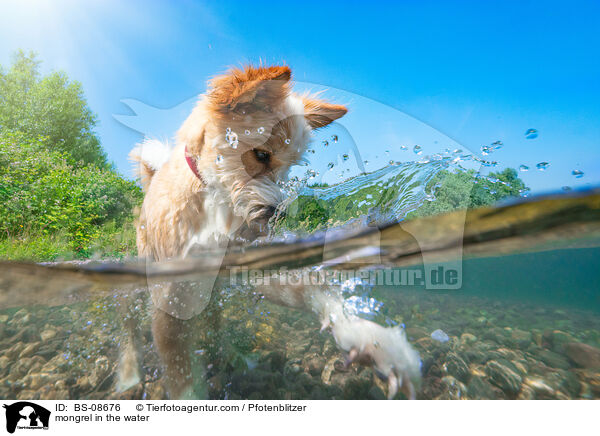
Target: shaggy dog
(220, 182)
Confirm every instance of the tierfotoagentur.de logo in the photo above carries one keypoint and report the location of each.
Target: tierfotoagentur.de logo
(25, 415)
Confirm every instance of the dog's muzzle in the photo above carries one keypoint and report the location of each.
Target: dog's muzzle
(258, 225)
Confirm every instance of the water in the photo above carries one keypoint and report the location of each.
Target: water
(519, 302)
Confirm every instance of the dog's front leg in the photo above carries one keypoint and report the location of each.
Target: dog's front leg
(129, 371)
(177, 307)
(386, 349)
(172, 337)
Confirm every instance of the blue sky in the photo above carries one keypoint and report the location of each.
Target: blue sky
(473, 72)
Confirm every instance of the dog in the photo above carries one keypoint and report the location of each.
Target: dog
(221, 182)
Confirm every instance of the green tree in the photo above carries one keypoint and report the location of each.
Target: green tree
(464, 190)
(49, 106)
(43, 194)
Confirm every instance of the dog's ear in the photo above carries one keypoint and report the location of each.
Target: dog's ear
(191, 132)
(249, 89)
(319, 113)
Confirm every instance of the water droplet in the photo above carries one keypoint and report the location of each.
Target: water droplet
(334, 138)
(260, 130)
(523, 168)
(366, 162)
(392, 162)
(232, 138)
(219, 159)
(247, 132)
(531, 134)
(418, 149)
(542, 166)
(287, 141)
(566, 188)
(325, 143)
(345, 157)
(577, 173)
(487, 163)
(457, 151)
(403, 147)
(486, 149)
(497, 144)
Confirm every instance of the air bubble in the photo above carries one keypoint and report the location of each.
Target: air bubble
(325, 143)
(577, 173)
(219, 159)
(260, 130)
(334, 138)
(523, 168)
(417, 149)
(403, 147)
(287, 141)
(247, 132)
(542, 166)
(345, 157)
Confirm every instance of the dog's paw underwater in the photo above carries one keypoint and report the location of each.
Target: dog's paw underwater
(386, 349)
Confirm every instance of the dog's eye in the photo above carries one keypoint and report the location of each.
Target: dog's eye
(262, 156)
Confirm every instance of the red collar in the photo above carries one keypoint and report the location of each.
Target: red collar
(192, 164)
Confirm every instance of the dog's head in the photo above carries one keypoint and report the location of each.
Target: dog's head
(246, 133)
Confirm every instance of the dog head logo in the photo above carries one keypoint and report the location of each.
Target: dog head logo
(26, 415)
